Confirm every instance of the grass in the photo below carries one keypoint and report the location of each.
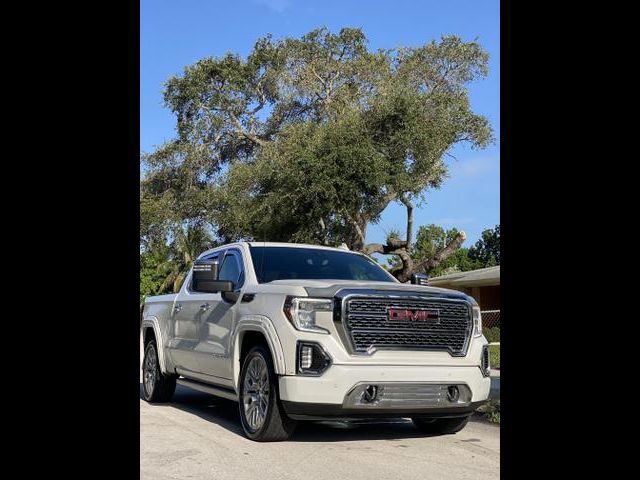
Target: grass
(491, 411)
(494, 356)
(491, 334)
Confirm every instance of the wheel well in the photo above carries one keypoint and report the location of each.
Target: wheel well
(249, 340)
(148, 335)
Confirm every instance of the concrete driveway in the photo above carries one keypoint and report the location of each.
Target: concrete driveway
(198, 436)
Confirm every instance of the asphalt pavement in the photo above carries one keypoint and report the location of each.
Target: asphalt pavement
(198, 436)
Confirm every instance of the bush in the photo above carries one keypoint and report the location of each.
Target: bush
(491, 411)
(494, 356)
(492, 334)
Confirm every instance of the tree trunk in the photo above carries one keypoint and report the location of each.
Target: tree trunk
(409, 206)
(443, 254)
(399, 247)
(395, 246)
(357, 232)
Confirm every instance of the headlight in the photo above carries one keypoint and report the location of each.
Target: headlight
(301, 312)
(477, 321)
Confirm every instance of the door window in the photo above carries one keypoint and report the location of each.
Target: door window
(231, 270)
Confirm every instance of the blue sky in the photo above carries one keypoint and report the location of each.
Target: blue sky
(174, 34)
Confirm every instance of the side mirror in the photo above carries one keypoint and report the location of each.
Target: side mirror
(205, 278)
(419, 279)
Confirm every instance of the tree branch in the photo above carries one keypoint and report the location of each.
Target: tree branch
(322, 80)
(409, 206)
(403, 273)
(373, 248)
(443, 254)
(241, 131)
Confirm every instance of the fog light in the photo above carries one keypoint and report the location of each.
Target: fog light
(453, 393)
(312, 359)
(485, 363)
(306, 356)
(370, 394)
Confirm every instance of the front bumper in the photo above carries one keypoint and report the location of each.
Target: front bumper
(323, 411)
(409, 390)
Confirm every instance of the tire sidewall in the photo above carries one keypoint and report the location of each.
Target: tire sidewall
(150, 350)
(273, 393)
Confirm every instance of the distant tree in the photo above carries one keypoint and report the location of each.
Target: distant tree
(155, 267)
(163, 265)
(487, 249)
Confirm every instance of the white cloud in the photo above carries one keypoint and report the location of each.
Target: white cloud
(474, 166)
(275, 5)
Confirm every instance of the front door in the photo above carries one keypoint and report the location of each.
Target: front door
(216, 322)
(188, 309)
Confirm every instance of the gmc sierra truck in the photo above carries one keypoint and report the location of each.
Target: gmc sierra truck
(301, 332)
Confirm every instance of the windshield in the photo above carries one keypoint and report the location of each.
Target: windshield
(285, 263)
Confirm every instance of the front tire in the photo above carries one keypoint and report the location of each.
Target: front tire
(156, 386)
(261, 413)
(441, 426)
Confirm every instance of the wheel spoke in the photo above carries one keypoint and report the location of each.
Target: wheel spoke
(248, 385)
(254, 416)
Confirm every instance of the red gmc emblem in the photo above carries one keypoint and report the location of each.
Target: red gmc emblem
(414, 315)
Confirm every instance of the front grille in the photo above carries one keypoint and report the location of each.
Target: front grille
(368, 326)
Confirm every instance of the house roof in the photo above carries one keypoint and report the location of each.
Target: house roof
(473, 278)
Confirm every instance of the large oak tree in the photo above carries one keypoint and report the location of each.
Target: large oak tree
(310, 139)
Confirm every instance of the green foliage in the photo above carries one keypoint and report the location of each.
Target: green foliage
(494, 356)
(491, 411)
(487, 248)
(492, 334)
(155, 267)
(432, 238)
(309, 139)
(163, 265)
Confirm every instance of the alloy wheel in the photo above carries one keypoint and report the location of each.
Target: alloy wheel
(255, 398)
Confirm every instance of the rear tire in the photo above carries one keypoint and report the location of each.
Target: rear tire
(156, 386)
(261, 413)
(441, 426)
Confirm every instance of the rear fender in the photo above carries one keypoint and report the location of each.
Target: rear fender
(152, 323)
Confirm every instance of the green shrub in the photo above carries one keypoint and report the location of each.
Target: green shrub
(494, 356)
(491, 411)
(492, 334)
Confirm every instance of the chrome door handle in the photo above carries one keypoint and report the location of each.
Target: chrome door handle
(177, 307)
(204, 306)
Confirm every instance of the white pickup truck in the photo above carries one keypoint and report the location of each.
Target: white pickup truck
(301, 332)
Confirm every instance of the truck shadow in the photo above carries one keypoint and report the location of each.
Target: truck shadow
(225, 413)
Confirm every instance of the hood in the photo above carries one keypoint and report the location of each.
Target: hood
(328, 288)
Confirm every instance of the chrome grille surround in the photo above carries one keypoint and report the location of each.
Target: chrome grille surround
(366, 328)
